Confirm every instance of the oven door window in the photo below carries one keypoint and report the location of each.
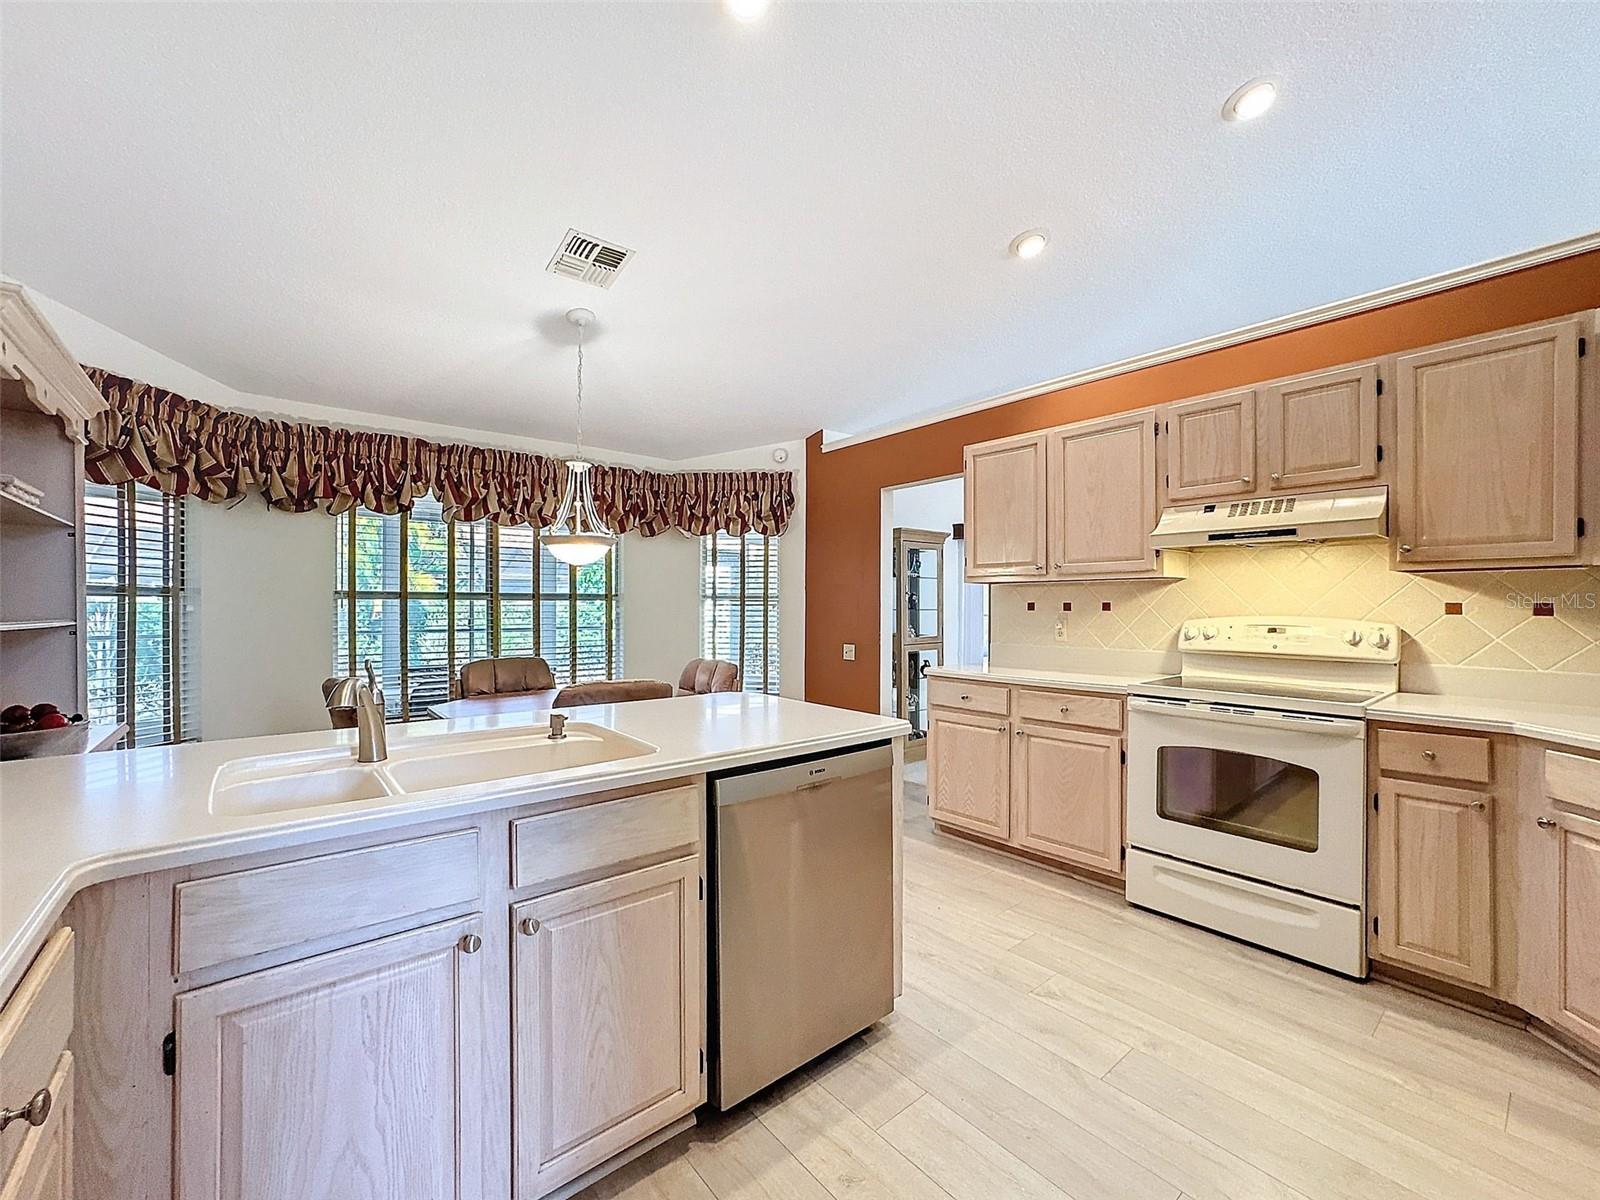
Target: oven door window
(1246, 795)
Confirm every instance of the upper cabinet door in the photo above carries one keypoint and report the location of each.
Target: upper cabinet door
(1321, 429)
(356, 1073)
(1102, 496)
(1488, 449)
(1005, 508)
(1213, 447)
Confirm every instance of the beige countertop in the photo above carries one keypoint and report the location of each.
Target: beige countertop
(73, 821)
(1571, 725)
(1114, 681)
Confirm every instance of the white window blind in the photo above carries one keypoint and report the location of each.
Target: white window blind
(420, 597)
(137, 644)
(739, 605)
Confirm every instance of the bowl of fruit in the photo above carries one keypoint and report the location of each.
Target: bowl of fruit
(40, 731)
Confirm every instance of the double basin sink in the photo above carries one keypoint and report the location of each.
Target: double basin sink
(284, 782)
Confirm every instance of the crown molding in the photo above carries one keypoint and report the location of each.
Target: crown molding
(1245, 333)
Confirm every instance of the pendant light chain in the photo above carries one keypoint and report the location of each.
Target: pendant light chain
(580, 391)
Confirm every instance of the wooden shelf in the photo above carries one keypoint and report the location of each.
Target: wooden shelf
(14, 512)
(28, 626)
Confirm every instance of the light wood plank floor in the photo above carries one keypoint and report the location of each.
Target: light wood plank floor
(1054, 1043)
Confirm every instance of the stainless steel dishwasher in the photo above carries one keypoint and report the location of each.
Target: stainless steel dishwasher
(802, 905)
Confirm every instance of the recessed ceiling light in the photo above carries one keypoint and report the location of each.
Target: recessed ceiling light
(1030, 244)
(1251, 100)
(746, 10)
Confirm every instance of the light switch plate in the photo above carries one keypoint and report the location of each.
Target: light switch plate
(849, 652)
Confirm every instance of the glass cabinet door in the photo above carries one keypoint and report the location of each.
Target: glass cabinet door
(915, 674)
(922, 585)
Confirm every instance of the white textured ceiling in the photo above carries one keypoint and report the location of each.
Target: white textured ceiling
(354, 205)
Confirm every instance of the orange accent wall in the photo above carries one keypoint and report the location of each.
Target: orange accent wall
(843, 487)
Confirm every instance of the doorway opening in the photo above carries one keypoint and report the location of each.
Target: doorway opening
(929, 615)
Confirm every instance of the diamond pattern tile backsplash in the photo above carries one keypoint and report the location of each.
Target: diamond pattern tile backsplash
(1511, 620)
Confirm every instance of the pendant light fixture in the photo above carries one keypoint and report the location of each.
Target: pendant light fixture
(578, 536)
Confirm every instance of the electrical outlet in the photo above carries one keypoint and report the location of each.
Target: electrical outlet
(849, 652)
(1061, 629)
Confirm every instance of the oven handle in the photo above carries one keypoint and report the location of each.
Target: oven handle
(1343, 727)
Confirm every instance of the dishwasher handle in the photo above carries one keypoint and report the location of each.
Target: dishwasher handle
(804, 776)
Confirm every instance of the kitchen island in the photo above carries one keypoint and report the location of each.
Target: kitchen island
(475, 970)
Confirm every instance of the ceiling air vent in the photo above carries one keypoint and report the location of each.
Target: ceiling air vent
(582, 256)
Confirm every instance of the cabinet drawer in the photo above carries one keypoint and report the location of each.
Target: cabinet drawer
(557, 848)
(1070, 708)
(252, 912)
(1573, 780)
(974, 697)
(1434, 755)
(34, 1026)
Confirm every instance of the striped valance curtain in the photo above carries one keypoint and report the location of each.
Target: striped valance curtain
(183, 447)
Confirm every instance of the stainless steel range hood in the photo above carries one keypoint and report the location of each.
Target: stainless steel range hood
(1321, 516)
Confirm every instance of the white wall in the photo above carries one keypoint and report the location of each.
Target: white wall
(266, 578)
(265, 617)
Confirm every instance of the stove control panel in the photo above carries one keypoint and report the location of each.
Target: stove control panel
(1292, 637)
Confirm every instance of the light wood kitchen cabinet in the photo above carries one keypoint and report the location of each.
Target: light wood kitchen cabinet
(607, 1021)
(1211, 451)
(1435, 903)
(1487, 449)
(1577, 920)
(1102, 505)
(1049, 781)
(355, 1073)
(1067, 795)
(1320, 430)
(1004, 509)
(42, 1169)
(969, 772)
(36, 1072)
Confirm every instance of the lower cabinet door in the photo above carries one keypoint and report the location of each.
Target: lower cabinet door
(355, 1075)
(1578, 945)
(1066, 795)
(969, 772)
(1435, 901)
(42, 1169)
(607, 1002)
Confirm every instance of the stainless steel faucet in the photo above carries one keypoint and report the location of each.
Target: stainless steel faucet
(558, 726)
(366, 698)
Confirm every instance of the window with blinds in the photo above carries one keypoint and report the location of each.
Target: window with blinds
(419, 597)
(739, 605)
(137, 635)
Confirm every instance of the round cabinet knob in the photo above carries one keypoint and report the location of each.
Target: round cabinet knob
(1544, 823)
(528, 926)
(1380, 639)
(1276, 477)
(1480, 806)
(966, 697)
(1429, 755)
(1066, 708)
(1404, 549)
(471, 943)
(1353, 637)
(1245, 479)
(34, 1112)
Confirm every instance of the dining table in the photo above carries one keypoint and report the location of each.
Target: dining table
(508, 705)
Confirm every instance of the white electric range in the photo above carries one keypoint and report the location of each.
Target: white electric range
(1247, 798)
